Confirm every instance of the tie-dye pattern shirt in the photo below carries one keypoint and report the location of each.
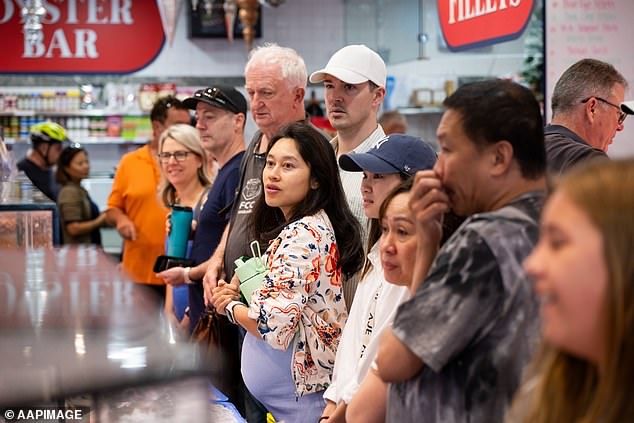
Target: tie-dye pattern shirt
(473, 322)
(300, 304)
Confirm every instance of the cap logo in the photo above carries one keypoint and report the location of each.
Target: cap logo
(215, 96)
(380, 142)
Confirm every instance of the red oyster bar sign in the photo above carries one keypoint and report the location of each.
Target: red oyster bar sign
(475, 23)
(83, 36)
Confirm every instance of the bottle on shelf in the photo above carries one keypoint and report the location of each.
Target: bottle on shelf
(60, 101)
(74, 100)
(115, 116)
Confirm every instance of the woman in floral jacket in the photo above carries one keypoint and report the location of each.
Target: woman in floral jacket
(295, 319)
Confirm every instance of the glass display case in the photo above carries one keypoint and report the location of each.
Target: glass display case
(27, 218)
(75, 333)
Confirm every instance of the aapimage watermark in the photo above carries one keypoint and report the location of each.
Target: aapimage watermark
(45, 414)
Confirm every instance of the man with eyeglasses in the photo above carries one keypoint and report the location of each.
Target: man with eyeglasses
(587, 113)
(133, 205)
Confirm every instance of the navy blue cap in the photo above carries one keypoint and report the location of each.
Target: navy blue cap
(396, 153)
(222, 96)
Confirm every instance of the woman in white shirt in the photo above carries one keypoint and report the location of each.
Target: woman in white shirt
(387, 164)
(405, 259)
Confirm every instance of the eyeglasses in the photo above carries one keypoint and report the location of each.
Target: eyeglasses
(622, 114)
(216, 95)
(179, 156)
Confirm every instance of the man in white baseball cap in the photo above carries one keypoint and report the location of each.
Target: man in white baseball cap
(354, 64)
(354, 86)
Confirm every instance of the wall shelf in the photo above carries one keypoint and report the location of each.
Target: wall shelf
(87, 141)
(420, 110)
(75, 113)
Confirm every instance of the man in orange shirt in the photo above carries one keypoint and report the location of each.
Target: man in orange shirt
(133, 205)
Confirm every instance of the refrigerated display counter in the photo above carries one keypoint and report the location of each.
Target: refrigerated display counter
(76, 333)
(28, 219)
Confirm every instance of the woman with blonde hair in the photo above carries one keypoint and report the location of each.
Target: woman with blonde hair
(583, 268)
(178, 142)
(184, 182)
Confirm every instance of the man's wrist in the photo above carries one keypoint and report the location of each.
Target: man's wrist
(218, 255)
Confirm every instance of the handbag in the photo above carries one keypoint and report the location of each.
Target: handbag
(207, 333)
(250, 272)
(218, 345)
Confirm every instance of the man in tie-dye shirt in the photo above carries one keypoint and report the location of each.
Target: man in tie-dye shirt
(457, 349)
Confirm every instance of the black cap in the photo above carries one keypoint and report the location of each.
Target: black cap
(221, 96)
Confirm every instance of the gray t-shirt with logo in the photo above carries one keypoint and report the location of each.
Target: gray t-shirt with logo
(474, 321)
(248, 191)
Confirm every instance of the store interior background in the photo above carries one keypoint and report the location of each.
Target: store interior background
(405, 32)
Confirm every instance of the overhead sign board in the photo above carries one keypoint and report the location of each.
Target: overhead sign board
(474, 23)
(83, 36)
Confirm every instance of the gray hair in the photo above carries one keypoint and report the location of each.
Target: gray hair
(586, 78)
(291, 64)
(188, 136)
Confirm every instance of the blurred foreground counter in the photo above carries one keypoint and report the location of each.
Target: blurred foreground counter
(27, 217)
(75, 333)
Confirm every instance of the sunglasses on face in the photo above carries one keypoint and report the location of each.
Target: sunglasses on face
(622, 114)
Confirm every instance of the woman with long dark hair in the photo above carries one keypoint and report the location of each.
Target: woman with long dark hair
(392, 160)
(79, 215)
(296, 317)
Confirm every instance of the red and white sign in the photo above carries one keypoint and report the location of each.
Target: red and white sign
(83, 36)
(475, 23)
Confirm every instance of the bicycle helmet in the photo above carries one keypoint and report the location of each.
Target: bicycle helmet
(48, 132)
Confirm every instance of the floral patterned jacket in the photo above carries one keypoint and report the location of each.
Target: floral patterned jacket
(300, 303)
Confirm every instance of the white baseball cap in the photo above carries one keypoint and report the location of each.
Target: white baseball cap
(354, 64)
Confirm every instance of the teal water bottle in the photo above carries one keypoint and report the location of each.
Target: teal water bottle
(181, 224)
